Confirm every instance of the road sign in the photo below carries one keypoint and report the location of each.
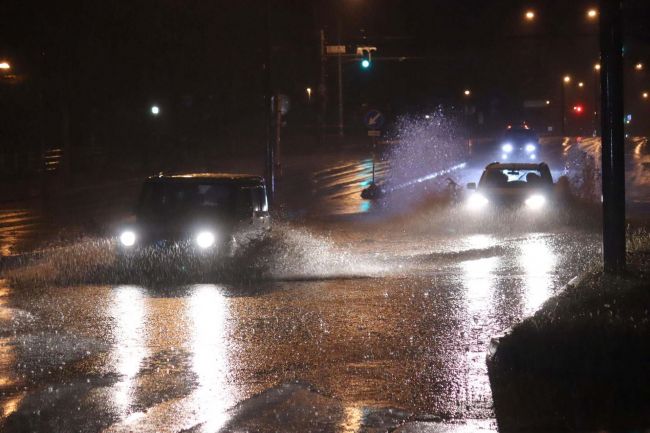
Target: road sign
(335, 49)
(374, 133)
(374, 119)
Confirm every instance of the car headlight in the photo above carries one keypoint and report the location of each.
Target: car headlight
(507, 148)
(205, 239)
(535, 201)
(127, 238)
(476, 201)
(530, 148)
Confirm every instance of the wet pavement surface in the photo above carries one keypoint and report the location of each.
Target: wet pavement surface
(352, 324)
(371, 324)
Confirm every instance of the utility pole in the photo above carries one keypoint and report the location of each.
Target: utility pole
(277, 106)
(613, 138)
(322, 86)
(563, 107)
(268, 119)
(340, 82)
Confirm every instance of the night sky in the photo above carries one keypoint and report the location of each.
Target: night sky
(201, 61)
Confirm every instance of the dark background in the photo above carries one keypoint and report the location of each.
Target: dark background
(86, 73)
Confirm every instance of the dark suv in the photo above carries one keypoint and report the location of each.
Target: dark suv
(201, 211)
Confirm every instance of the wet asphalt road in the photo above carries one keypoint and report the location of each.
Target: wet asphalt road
(369, 317)
(344, 324)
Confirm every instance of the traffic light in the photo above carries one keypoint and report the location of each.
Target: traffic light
(366, 59)
(365, 52)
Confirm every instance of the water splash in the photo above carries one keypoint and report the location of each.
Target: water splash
(287, 252)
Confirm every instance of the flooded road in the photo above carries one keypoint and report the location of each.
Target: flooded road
(371, 326)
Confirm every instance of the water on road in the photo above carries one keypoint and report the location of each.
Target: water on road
(335, 326)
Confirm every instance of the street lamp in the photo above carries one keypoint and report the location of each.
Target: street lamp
(592, 14)
(529, 15)
(638, 66)
(4, 65)
(467, 92)
(581, 84)
(155, 110)
(644, 95)
(566, 80)
(597, 67)
(308, 90)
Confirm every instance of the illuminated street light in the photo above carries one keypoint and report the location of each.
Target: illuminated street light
(567, 79)
(5, 66)
(529, 15)
(638, 66)
(308, 90)
(467, 92)
(548, 102)
(155, 110)
(597, 67)
(645, 95)
(592, 14)
(581, 84)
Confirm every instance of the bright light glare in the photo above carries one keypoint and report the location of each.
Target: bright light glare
(592, 13)
(530, 15)
(205, 239)
(535, 201)
(504, 156)
(507, 148)
(476, 201)
(530, 147)
(5, 65)
(127, 238)
(533, 156)
(365, 63)
(567, 79)
(155, 110)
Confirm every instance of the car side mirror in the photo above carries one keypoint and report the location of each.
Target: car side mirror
(471, 185)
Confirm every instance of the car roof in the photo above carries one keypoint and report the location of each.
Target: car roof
(516, 166)
(238, 178)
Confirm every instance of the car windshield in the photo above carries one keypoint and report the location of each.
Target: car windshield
(509, 178)
(520, 135)
(179, 197)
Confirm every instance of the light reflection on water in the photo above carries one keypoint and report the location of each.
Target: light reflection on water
(478, 278)
(129, 312)
(537, 259)
(352, 419)
(208, 314)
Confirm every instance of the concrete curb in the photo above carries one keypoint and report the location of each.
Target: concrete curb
(495, 341)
